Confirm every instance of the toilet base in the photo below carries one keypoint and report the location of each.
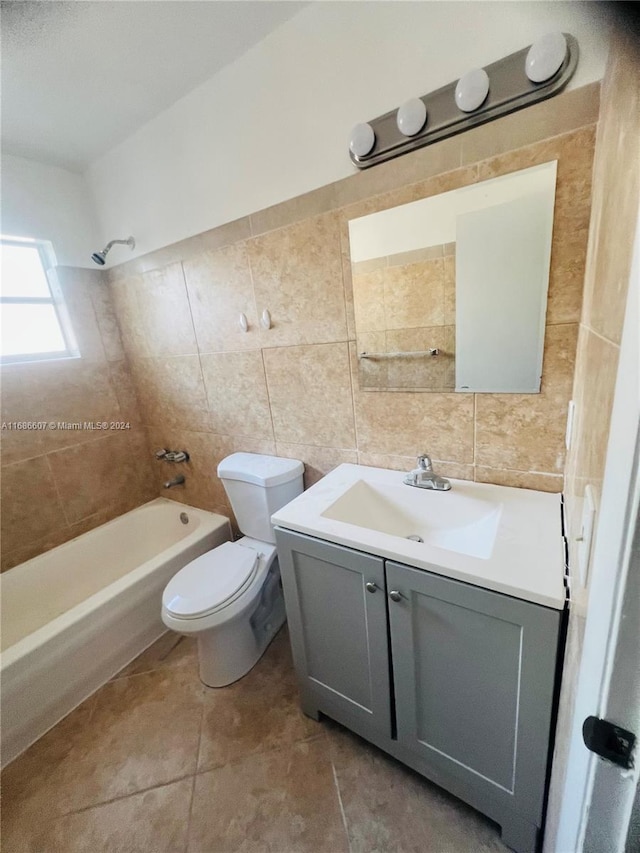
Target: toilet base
(228, 652)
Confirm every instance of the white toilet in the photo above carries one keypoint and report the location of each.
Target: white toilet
(231, 597)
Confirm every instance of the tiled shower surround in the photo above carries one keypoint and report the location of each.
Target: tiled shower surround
(58, 483)
(190, 378)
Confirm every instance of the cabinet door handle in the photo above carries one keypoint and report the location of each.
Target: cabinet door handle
(394, 595)
(370, 586)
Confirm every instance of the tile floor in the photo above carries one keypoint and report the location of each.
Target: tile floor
(155, 762)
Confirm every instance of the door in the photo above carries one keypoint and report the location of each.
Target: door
(336, 607)
(474, 676)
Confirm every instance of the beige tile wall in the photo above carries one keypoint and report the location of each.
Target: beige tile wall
(616, 187)
(208, 387)
(57, 484)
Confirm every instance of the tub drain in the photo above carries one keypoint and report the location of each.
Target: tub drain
(184, 518)
(415, 538)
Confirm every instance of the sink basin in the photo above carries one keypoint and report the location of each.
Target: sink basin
(449, 520)
(496, 537)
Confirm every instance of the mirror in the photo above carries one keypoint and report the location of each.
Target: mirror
(450, 292)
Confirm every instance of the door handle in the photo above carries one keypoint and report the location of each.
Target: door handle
(394, 595)
(370, 586)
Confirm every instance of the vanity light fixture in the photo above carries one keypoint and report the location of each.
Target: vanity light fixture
(472, 90)
(362, 140)
(545, 57)
(411, 117)
(532, 74)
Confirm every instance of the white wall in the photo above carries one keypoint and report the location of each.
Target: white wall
(49, 203)
(275, 123)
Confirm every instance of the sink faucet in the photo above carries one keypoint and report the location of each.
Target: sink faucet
(424, 476)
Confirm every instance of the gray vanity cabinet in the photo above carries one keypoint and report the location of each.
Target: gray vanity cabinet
(336, 608)
(472, 673)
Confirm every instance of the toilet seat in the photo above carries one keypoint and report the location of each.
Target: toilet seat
(211, 582)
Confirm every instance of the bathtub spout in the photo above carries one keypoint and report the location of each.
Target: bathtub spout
(176, 481)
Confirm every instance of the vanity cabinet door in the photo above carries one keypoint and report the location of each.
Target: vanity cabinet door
(336, 608)
(474, 676)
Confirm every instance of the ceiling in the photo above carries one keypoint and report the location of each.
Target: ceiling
(79, 77)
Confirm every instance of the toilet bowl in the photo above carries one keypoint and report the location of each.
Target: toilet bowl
(230, 598)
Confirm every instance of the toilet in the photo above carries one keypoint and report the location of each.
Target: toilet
(230, 598)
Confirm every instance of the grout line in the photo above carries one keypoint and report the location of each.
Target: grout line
(475, 430)
(193, 784)
(126, 796)
(195, 338)
(351, 366)
(597, 334)
(190, 815)
(253, 287)
(241, 759)
(266, 386)
(55, 486)
(342, 812)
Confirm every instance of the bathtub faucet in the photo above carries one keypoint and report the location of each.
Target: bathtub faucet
(172, 455)
(177, 481)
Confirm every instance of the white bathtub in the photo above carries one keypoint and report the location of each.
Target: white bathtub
(73, 617)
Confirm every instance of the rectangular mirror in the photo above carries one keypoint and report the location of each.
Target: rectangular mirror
(450, 292)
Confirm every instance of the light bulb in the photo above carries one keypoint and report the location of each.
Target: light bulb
(545, 57)
(472, 90)
(411, 117)
(362, 140)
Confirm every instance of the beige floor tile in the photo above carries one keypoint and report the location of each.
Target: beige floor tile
(155, 821)
(283, 801)
(257, 713)
(34, 785)
(170, 650)
(116, 775)
(143, 732)
(390, 809)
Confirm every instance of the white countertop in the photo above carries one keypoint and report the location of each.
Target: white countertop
(526, 559)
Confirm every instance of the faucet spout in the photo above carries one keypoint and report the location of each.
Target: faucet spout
(176, 481)
(424, 477)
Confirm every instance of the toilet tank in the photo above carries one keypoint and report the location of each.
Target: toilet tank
(258, 486)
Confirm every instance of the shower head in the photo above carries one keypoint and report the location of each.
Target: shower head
(100, 257)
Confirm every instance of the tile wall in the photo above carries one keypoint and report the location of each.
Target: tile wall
(206, 386)
(58, 483)
(189, 378)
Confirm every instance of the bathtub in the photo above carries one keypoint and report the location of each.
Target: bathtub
(73, 617)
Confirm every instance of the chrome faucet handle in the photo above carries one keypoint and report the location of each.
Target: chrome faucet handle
(160, 454)
(177, 456)
(424, 462)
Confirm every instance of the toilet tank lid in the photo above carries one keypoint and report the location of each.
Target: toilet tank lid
(259, 469)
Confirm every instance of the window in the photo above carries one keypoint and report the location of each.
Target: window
(34, 322)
